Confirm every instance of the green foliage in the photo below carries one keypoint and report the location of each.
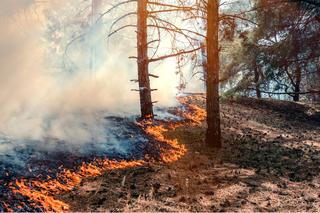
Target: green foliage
(281, 53)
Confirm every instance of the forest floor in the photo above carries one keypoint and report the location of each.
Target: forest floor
(270, 161)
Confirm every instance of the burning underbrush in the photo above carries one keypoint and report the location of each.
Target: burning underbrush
(31, 175)
(42, 175)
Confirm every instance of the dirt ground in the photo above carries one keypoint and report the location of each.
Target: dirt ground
(270, 161)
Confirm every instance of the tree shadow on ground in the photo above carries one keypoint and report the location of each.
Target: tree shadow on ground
(289, 111)
(273, 161)
(274, 157)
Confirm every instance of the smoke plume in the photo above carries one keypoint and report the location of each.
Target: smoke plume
(60, 75)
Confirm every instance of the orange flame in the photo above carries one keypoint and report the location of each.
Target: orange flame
(176, 150)
(42, 193)
(194, 113)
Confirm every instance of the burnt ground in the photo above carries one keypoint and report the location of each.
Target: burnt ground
(270, 161)
(44, 160)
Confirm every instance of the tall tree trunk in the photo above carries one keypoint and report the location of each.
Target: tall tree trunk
(204, 61)
(213, 136)
(96, 4)
(143, 72)
(95, 10)
(257, 79)
(296, 96)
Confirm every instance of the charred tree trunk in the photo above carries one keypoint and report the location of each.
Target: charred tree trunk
(296, 96)
(257, 79)
(213, 136)
(143, 63)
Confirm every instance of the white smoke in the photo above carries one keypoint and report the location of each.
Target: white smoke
(46, 91)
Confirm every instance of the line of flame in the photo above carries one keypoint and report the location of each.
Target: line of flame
(42, 193)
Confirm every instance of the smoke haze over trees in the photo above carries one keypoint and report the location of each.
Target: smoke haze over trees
(174, 82)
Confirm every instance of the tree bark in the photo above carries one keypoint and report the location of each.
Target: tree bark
(95, 10)
(96, 4)
(143, 63)
(296, 96)
(204, 60)
(257, 79)
(213, 135)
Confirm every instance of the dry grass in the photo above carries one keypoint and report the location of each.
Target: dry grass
(269, 162)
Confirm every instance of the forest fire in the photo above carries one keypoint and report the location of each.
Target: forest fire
(89, 98)
(176, 150)
(42, 193)
(193, 112)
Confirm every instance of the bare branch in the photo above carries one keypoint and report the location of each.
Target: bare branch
(121, 28)
(173, 55)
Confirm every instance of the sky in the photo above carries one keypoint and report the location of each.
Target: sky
(11, 7)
